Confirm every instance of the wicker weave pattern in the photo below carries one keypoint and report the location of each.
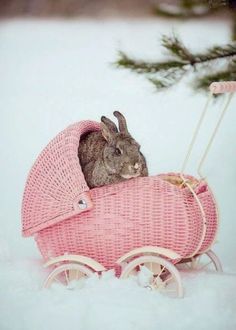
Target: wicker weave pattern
(121, 217)
(207, 200)
(56, 182)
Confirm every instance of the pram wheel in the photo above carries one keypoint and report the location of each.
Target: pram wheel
(67, 275)
(69, 269)
(163, 276)
(207, 261)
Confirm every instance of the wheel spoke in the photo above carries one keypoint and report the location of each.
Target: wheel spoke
(158, 276)
(187, 265)
(57, 280)
(151, 264)
(73, 274)
(148, 265)
(198, 261)
(204, 266)
(78, 275)
(194, 263)
(66, 276)
(161, 272)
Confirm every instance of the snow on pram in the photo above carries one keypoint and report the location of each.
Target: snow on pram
(142, 222)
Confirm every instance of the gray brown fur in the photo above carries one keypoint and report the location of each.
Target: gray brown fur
(110, 155)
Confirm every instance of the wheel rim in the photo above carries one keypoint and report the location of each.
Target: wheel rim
(215, 260)
(166, 278)
(207, 261)
(67, 275)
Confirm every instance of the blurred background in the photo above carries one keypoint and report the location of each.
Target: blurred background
(74, 8)
(100, 8)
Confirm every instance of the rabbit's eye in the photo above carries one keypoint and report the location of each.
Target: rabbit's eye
(117, 152)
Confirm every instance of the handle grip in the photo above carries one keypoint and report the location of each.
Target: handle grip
(223, 87)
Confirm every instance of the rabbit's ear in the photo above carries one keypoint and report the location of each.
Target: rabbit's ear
(122, 122)
(106, 132)
(110, 124)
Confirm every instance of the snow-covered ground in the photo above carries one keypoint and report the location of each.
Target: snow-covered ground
(53, 73)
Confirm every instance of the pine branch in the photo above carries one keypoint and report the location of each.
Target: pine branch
(215, 53)
(228, 74)
(180, 57)
(168, 80)
(164, 74)
(138, 66)
(177, 48)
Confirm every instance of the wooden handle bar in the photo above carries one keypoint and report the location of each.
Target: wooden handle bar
(223, 87)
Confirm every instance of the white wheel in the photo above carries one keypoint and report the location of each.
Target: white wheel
(67, 275)
(207, 261)
(162, 275)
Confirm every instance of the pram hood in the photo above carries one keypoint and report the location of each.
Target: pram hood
(56, 189)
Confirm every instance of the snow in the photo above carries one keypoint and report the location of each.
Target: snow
(54, 73)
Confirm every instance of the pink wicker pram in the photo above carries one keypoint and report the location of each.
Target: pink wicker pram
(67, 218)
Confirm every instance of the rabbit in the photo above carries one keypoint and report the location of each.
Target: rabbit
(110, 155)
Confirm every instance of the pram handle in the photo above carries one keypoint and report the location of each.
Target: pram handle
(215, 88)
(223, 87)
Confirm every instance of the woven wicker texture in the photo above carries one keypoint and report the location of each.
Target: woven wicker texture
(56, 183)
(120, 217)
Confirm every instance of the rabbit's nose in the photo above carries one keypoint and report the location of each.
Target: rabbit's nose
(136, 167)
